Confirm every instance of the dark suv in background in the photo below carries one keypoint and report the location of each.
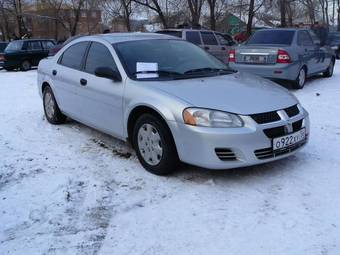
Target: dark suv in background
(3, 45)
(24, 54)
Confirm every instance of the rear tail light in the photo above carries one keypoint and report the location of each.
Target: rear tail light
(232, 56)
(2, 57)
(283, 57)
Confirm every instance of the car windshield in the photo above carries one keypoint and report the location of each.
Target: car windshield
(15, 45)
(272, 37)
(167, 59)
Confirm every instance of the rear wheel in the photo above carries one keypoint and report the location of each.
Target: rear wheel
(25, 65)
(51, 109)
(154, 145)
(329, 72)
(300, 81)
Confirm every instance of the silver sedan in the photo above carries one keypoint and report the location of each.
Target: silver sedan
(172, 101)
(284, 54)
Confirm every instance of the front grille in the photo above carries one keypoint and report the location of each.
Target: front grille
(225, 154)
(297, 125)
(292, 111)
(269, 153)
(275, 132)
(280, 131)
(267, 117)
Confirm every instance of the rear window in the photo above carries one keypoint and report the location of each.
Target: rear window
(171, 32)
(15, 45)
(208, 38)
(272, 37)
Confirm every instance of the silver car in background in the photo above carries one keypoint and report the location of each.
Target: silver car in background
(284, 54)
(172, 101)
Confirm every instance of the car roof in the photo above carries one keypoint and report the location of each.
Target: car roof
(125, 37)
(282, 29)
(187, 29)
(31, 40)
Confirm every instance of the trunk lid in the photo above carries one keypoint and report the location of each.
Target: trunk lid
(257, 55)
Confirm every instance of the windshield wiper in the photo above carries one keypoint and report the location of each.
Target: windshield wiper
(208, 70)
(160, 72)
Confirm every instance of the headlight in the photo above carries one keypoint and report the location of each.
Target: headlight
(211, 118)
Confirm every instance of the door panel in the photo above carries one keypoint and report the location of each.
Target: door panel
(307, 51)
(66, 77)
(102, 98)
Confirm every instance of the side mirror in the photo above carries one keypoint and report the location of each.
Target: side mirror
(109, 73)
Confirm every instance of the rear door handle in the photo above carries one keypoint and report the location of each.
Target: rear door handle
(206, 48)
(83, 82)
(54, 72)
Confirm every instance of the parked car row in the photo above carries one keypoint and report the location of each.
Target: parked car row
(173, 101)
(284, 54)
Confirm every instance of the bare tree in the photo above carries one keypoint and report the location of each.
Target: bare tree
(195, 7)
(155, 5)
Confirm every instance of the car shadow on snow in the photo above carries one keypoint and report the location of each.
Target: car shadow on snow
(185, 172)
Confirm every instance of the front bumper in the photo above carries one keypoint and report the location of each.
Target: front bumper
(275, 71)
(196, 145)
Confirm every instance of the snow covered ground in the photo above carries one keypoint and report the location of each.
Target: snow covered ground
(71, 190)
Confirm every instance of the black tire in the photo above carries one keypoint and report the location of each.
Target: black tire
(330, 70)
(25, 65)
(168, 161)
(52, 111)
(300, 80)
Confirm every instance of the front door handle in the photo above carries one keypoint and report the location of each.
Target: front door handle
(54, 72)
(83, 82)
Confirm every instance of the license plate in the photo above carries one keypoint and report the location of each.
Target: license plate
(283, 142)
(255, 59)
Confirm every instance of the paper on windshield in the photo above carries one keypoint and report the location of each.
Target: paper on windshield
(142, 69)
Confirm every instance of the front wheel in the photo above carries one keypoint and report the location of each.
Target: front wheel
(154, 145)
(300, 81)
(51, 109)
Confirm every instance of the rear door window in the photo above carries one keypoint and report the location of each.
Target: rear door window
(304, 39)
(193, 37)
(73, 56)
(272, 37)
(209, 38)
(99, 56)
(34, 45)
(47, 44)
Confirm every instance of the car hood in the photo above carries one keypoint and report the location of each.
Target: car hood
(240, 93)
